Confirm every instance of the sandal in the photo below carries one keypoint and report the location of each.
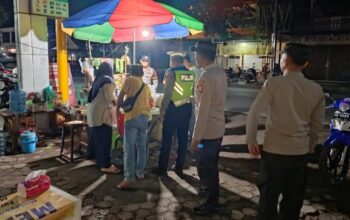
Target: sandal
(123, 185)
(112, 169)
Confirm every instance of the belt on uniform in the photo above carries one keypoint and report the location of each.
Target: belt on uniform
(216, 139)
(182, 102)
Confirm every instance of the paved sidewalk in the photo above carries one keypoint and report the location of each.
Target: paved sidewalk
(172, 198)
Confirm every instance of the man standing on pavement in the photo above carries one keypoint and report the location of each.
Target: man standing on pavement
(175, 112)
(294, 121)
(197, 72)
(149, 74)
(210, 124)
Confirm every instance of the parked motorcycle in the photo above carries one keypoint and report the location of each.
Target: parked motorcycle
(248, 76)
(335, 154)
(7, 83)
(277, 71)
(232, 76)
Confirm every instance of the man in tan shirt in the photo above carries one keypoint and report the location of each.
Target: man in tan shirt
(210, 124)
(295, 114)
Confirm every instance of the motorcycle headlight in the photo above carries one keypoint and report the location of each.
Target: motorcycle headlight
(344, 107)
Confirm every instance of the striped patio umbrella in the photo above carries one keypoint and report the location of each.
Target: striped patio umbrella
(130, 20)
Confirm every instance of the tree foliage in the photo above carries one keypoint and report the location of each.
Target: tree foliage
(220, 16)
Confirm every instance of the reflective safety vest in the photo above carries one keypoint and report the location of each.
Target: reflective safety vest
(183, 88)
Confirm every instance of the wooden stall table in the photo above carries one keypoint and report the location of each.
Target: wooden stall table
(29, 120)
(52, 204)
(11, 125)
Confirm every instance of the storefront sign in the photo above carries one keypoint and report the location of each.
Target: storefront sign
(244, 48)
(51, 8)
(53, 204)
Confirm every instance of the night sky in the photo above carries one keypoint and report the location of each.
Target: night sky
(6, 13)
(196, 8)
(212, 12)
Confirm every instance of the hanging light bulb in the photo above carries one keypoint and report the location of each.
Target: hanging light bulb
(145, 32)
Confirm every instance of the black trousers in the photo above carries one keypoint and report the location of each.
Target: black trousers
(99, 147)
(207, 167)
(286, 175)
(176, 119)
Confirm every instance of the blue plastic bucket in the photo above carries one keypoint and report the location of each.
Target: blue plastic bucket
(28, 142)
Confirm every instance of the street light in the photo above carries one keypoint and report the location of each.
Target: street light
(145, 33)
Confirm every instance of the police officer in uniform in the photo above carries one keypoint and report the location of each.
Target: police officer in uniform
(175, 112)
(149, 74)
(210, 124)
(293, 125)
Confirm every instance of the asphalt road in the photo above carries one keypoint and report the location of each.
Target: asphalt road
(239, 98)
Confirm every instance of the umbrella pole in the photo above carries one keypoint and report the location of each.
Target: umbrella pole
(89, 47)
(134, 47)
(87, 81)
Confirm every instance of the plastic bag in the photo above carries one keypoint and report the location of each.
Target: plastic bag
(117, 153)
(158, 100)
(156, 132)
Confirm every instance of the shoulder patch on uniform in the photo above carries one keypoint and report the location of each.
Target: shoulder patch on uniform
(200, 86)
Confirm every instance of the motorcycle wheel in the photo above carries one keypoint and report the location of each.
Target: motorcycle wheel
(334, 170)
(234, 79)
(242, 79)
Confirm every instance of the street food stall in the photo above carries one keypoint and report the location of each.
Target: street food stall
(129, 21)
(105, 22)
(35, 111)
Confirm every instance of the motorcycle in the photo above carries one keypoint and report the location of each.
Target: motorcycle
(335, 154)
(277, 71)
(232, 76)
(7, 83)
(248, 76)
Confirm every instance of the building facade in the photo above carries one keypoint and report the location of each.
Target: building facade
(323, 25)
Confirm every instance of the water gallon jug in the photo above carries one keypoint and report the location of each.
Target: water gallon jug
(28, 142)
(17, 100)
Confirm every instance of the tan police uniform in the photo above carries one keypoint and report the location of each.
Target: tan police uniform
(294, 121)
(210, 101)
(210, 127)
(296, 111)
